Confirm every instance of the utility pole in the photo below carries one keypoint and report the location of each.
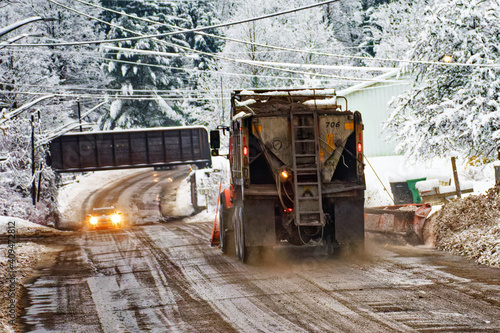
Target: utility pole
(222, 102)
(40, 174)
(33, 168)
(79, 113)
(455, 177)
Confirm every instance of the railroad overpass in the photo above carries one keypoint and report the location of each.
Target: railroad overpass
(123, 149)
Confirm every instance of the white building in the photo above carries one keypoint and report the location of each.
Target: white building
(371, 99)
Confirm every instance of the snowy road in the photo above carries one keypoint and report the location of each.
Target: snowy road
(165, 278)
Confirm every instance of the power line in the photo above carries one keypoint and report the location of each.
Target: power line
(247, 62)
(187, 48)
(204, 33)
(195, 30)
(121, 97)
(183, 31)
(193, 69)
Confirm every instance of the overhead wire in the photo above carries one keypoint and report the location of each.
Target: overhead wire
(181, 47)
(260, 64)
(197, 51)
(422, 62)
(204, 71)
(127, 97)
(213, 36)
(277, 48)
(221, 25)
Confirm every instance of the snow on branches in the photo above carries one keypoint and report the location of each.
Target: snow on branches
(450, 106)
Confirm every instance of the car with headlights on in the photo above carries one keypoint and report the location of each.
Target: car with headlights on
(105, 217)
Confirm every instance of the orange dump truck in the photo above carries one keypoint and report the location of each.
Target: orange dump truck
(297, 172)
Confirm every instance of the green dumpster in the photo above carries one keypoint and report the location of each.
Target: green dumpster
(411, 185)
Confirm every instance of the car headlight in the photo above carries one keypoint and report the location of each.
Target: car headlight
(115, 218)
(94, 220)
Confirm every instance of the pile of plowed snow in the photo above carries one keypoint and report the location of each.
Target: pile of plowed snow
(470, 227)
(23, 228)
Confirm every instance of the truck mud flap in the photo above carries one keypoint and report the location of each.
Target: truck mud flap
(349, 221)
(259, 223)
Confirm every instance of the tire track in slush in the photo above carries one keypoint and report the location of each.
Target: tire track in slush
(147, 195)
(189, 305)
(128, 194)
(394, 289)
(277, 298)
(97, 198)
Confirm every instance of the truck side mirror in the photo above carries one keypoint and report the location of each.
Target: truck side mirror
(215, 142)
(215, 139)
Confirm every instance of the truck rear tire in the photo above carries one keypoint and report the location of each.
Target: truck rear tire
(239, 234)
(226, 229)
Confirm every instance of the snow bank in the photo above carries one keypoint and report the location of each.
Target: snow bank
(182, 205)
(383, 170)
(427, 185)
(25, 228)
(391, 169)
(208, 185)
(470, 227)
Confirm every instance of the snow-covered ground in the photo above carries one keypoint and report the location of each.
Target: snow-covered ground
(380, 171)
(23, 228)
(397, 168)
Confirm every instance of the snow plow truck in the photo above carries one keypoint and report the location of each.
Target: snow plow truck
(297, 172)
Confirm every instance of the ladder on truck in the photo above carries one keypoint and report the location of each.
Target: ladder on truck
(307, 169)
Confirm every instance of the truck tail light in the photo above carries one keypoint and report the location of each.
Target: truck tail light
(231, 149)
(245, 151)
(358, 127)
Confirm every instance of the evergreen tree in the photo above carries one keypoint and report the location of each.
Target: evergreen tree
(345, 20)
(195, 14)
(352, 24)
(396, 27)
(143, 79)
(451, 107)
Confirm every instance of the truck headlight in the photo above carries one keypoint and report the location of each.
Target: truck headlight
(94, 220)
(115, 218)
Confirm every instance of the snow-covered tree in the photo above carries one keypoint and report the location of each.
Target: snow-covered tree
(452, 106)
(144, 79)
(396, 27)
(195, 14)
(352, 23)
(26, 74)
(304, 30)
(345, 19)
